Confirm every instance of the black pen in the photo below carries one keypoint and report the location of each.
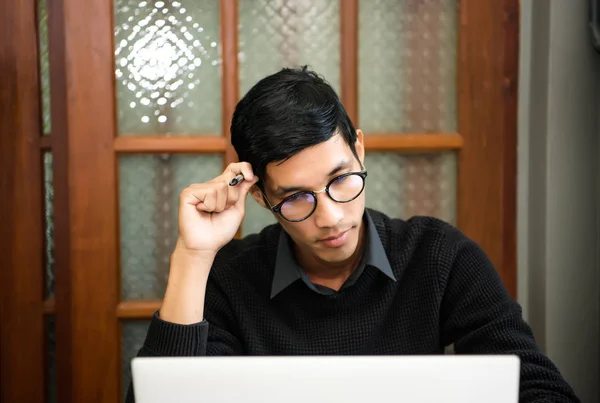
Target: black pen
(239, 178)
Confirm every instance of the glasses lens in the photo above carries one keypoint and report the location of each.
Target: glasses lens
(298, 207)
(346, 188)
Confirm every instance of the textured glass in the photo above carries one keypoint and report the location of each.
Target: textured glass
(288, 33)
(408, 66)
(403, 186)
(149, 188)
(51, 360)
(257, 217)
(133, 335)
(49, 218)
(44, 63)
(167, 56)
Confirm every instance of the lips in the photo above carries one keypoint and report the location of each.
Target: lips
(333, 237)
(335, 240)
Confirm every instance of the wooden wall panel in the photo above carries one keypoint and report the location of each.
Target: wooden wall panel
(487, 83)
(230, 83)
(349, 58)
(87, 269)
(22, 353)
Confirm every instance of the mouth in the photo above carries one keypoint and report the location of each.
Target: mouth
(336, 240)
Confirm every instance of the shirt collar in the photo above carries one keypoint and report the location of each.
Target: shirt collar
(287, 269)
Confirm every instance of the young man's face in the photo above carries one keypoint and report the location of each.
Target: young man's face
(311, 170)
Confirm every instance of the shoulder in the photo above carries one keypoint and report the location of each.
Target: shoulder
(434, 251)
(435, 246)
(419, 232)
(427, 244)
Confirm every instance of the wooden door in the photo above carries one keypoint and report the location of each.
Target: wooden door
(116, 105)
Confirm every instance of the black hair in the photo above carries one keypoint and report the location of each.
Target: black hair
(283, 114)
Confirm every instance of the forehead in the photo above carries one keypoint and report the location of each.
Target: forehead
(310, 166)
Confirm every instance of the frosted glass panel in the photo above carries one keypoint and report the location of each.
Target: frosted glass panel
(133, 335)
(44, 63)
(49, 222)
(403, 186)
(149, 188)
(407, 66)
(288, 33)
(167, 58)
(257, 217)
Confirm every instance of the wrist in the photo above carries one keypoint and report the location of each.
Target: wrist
(183, 252)
(190, 264)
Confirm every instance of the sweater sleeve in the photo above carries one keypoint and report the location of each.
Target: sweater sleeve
(479, 317)
(214, 336)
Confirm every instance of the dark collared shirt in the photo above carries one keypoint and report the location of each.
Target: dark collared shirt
(287, 269)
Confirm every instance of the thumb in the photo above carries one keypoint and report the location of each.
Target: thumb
(244, 189)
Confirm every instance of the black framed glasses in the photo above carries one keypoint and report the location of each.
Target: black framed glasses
(341, 189)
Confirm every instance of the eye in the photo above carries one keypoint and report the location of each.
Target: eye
(298, 197)
(340, 179)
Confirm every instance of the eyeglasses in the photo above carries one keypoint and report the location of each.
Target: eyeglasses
(342, 189)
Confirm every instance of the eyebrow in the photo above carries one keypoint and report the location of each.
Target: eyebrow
(282, 190)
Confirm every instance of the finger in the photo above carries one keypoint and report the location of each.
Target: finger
(245, 188)
(243, 168)
(221, 196)
(233, 194)
(193, 195)
(227, 195)
(209, 202)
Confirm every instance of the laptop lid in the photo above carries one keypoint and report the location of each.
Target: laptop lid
(358, 379)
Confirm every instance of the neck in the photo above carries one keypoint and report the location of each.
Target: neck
(320, 271)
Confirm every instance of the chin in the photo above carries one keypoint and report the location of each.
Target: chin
(339, 254)
(332, 256)
(338, 257)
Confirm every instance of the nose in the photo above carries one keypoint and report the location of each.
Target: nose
(328, 213)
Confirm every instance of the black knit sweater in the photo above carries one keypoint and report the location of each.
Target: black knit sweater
(447, 292)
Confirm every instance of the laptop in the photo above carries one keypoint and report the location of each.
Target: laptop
(356, 379)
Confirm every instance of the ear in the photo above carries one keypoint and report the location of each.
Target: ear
(359, 145)
(258, 196)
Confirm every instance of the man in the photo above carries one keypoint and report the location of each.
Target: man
(331, 278)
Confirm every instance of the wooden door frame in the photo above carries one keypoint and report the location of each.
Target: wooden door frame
(22, 336)
(84, 143)
(488, 57)
(87, 286)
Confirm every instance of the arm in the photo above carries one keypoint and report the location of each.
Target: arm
(479, 317)
(179, 328)
(209, 215)
(215, 335)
